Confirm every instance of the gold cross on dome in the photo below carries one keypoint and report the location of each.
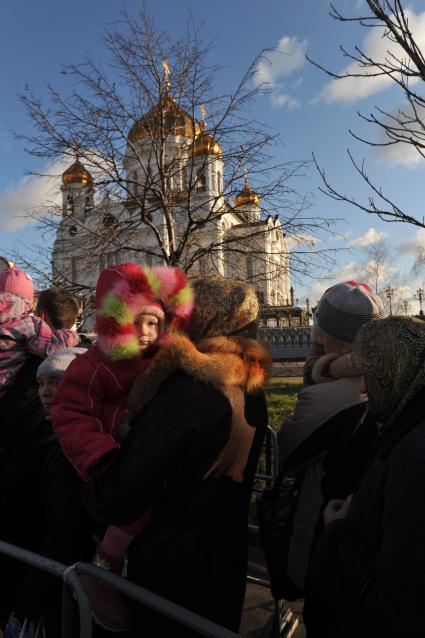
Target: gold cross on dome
(166, 74)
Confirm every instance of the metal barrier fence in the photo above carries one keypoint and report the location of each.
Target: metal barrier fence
(73, 587)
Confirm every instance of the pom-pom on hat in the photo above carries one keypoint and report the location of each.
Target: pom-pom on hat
(127, 290)
(344, 308)
(17, 282)
(56, 364)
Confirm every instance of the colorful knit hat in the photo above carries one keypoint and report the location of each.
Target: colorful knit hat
(127, 290)
(17, 282)
(343, 309)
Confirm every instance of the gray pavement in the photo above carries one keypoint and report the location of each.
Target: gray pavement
(259, 607)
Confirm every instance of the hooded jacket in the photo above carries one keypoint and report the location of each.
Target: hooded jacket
(187, 404)
(22, 334)
(91, 399)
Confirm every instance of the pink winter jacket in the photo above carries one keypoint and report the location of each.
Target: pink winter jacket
(22, 334)
(89, 405)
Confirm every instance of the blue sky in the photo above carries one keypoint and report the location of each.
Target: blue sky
(310, 113)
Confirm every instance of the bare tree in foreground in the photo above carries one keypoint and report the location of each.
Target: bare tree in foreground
(122, 119)
(404, 66)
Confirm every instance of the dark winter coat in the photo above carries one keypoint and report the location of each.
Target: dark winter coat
(194, 551)
(40, 503)
(367, 578)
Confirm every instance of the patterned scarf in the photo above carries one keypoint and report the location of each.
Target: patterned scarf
(393, 360)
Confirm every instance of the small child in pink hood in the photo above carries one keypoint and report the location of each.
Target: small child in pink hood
(136, 307)
(22, 333)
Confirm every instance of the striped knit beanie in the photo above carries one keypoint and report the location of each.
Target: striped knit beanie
(127, 290)
(343, 309)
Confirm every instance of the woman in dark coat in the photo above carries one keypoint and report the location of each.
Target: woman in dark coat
(192, 454)
(367, 577)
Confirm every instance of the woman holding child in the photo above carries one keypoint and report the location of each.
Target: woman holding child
(190, 459)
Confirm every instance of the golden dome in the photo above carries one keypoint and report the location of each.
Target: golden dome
(247, 197)
(77, 174)
(176, 121)
(205, 144)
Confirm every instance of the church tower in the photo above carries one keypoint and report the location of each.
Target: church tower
(77, 191)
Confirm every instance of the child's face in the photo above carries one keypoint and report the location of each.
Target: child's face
(46, 389)
(147, 329)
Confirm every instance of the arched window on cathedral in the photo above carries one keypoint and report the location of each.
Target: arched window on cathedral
(219, 187)
(70, 206)
(185, 178)
(88, 203)
(74, 270)
(200, 179)
(249, 267)
(203, 265)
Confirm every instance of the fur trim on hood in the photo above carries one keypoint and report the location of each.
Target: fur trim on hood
(219, 361)
(233, 365)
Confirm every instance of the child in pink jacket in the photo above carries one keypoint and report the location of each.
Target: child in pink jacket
(135, 308)
(21, 333)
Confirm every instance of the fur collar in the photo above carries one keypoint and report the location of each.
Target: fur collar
(219, 361)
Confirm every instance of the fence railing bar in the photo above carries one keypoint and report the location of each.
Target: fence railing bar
(35, 560)
(256, 580)
(67, 611)
(157, 603)
(71, 577)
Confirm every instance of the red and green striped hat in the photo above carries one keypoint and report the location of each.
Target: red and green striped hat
(127, 290)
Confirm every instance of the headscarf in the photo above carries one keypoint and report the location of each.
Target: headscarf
(393, 361)
(222, 307)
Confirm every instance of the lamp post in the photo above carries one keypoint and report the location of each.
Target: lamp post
(389, 293)
(406, 306)
(420, 296)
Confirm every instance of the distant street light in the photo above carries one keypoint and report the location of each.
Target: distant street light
(389, 293)
(406, 306)
(420, 297)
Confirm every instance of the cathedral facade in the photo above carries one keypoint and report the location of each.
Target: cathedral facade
(227, 236)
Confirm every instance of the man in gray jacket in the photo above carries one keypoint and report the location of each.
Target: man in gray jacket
(336, 375)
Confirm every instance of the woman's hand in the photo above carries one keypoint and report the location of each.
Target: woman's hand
(336, 509)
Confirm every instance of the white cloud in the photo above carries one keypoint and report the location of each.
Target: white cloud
(34, 194)
(370, 237)
(303, 239)
(411, 246)
(376, 47)
(281, 99)
(17, 200)
(400, 155)
(288, 56)
(403, 154)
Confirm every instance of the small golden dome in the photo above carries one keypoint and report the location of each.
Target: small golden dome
(247, 197)
(176, 121)
(76, 174)
(205, 144)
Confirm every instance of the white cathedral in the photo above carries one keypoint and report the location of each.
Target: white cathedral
(236, 240)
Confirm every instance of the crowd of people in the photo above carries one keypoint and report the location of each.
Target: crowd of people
(139, 452)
